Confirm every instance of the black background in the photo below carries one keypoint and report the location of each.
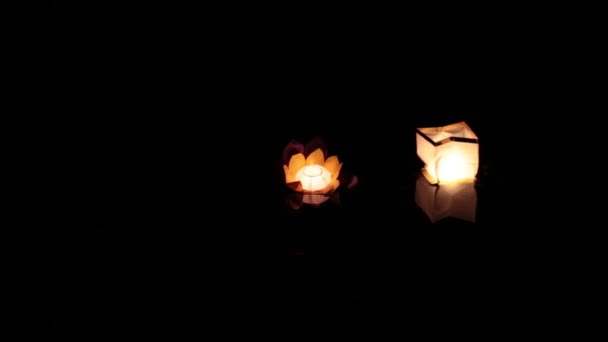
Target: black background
(143, 191)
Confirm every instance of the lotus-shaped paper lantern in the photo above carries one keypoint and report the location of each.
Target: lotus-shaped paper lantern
(450, 153)
(313, 175)
(308, 170)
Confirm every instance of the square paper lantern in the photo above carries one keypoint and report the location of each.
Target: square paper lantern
(455, 200)
(450, 153)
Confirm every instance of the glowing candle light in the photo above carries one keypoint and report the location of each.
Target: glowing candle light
(313, 177)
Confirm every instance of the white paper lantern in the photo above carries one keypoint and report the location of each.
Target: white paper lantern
(450, 153)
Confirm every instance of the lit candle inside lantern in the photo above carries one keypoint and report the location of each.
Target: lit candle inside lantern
(452, 168)
(313, 177)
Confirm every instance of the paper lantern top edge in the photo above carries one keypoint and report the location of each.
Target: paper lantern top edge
(459, 131)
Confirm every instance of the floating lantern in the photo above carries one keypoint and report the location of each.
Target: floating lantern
(455, 200)
(450, 153)
(313, 175)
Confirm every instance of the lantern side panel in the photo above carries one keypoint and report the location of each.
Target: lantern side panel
(460, 130)
(427, 153)
(456, 161)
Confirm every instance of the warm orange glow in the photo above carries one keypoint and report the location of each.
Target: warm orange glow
(313, 177)
(450, 153)
(453, 168)
(313, 174)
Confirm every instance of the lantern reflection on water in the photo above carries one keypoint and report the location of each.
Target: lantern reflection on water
(298, 199)
(455, 200)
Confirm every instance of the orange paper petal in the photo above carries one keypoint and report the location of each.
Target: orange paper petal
(316, 158)
(296, 162)
(295, 186)
(333, 165)
(289, 177)
(333, 186)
